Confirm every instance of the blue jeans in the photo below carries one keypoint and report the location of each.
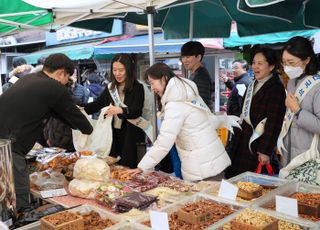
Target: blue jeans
(176, 163)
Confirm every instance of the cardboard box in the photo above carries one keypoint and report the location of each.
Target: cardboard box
(249, 195)
(194, 219)
(74, 224)
(243, 226)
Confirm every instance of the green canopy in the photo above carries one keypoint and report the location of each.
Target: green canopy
(213, 18)
(305, 11)
(234, 40)
(16, 14)
(75, 52)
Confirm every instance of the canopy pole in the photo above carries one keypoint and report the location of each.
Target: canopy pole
(191, 21)
(150, 12)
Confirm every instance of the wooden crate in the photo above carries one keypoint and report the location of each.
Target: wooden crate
(249, 195)
(75, 224)
(310, 210)
(194, 219)
(243, 226)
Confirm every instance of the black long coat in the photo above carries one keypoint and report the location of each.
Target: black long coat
(269, 102)
(124, 140)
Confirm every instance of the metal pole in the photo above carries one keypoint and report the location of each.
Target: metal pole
(150, 11)
(191, 21)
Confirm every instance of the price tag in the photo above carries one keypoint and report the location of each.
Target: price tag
(287, 205)
(53, 193)
(228, 190)
(159, 220)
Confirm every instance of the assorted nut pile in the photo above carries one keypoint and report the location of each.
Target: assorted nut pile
(61, 218)
(93, 221)
(178, 185)
(218, 211)
(254, 218)
(282, 225)
(249, 186)
(307, 198)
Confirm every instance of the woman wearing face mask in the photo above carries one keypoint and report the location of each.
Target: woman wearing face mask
(262, 115)
(303, 99)
(201, 152)
(125, 98)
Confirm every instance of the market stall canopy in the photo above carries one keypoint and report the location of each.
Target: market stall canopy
(213, 18)
(74, 52)
(306, 11)
(234, 40)
(68, 12)
(16, 14)
(139, 44)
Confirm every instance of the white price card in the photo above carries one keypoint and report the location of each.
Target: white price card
(228, 190)
(53, 193)
(159, 220)
(287, 205)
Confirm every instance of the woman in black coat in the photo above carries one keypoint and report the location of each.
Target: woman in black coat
(268, 102)
(131, 94)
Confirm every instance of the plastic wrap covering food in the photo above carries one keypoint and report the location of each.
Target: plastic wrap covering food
(107, 193)
(167, 196)
(146, 181)
(47, 180)
(84, 188)
(91, 169)
(134, 200)
(308, 197)
(200, 211)
(178, 185)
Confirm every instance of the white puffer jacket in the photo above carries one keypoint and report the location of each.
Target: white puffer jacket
(201, 152)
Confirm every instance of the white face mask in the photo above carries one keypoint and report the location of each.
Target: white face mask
(293, 72)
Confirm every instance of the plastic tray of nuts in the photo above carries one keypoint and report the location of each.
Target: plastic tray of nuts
(268, 202)
(268, 184)
(193, 199)
(284, 222)
(129, 226)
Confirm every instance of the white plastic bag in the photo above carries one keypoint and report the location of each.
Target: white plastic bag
(91, 169)
(100, 140)
(304, 167)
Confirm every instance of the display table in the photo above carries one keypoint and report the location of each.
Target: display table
(68, 201)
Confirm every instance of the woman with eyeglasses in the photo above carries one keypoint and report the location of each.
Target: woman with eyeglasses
(262, 115)
(302, 119)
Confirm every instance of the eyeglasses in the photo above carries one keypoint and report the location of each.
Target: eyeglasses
(291, 63)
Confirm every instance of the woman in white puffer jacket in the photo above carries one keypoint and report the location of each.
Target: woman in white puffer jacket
(200, 150)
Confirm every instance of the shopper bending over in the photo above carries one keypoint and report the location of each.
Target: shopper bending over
(186, 123)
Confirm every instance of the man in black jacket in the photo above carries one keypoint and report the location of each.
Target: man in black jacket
(191, 56)
(25, 107)
(237, 87)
